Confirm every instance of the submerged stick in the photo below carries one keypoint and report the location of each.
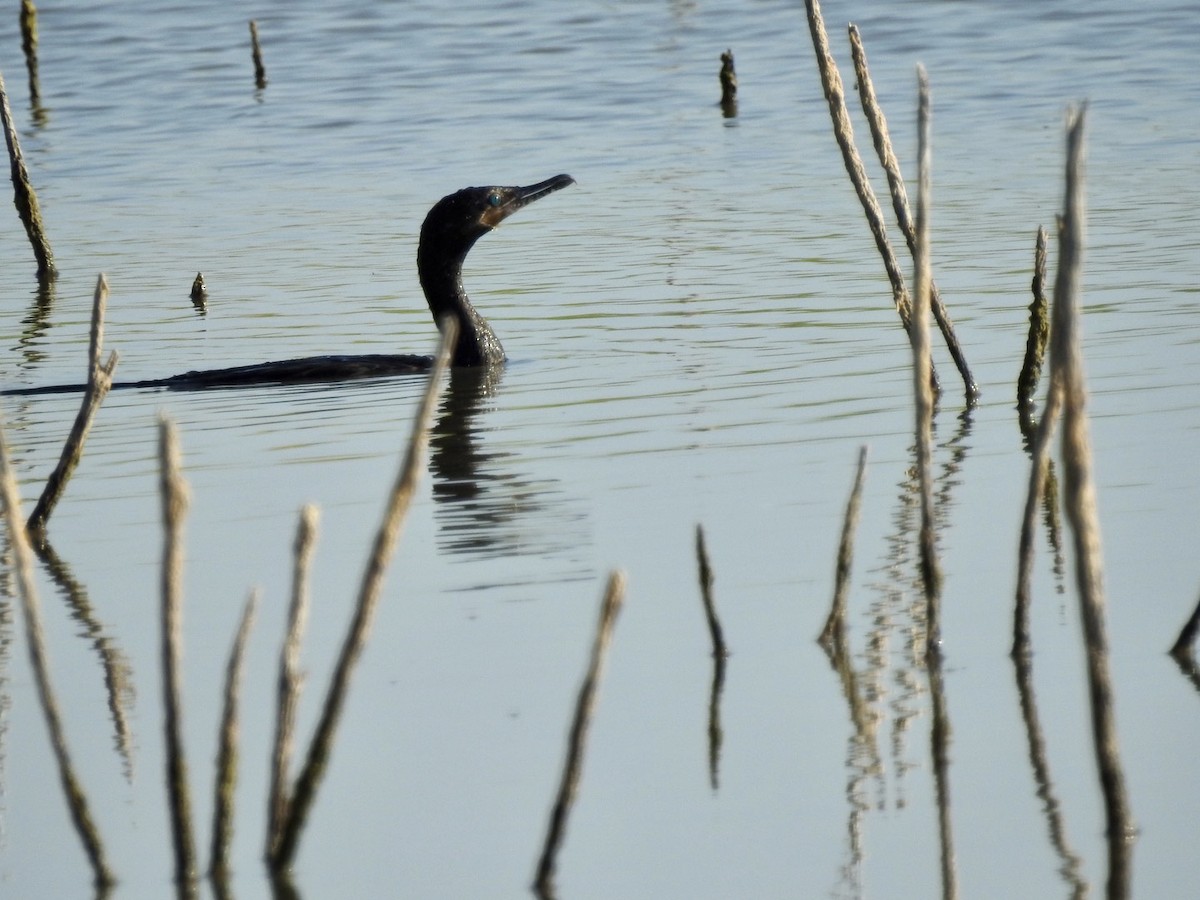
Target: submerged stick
(309, 779)
(24, 196)
(99, 383)
(891, 166)
(720, 652)
(290, 678)
(227, 750)
(729, 85)
(260, 71)
(930, 572)
(614, 596)
(836, 621)
(174, 506)
(706, 596)
(1035, 343)
(1066, 357)
(77, 803)
(1187, 635)
(843, 131)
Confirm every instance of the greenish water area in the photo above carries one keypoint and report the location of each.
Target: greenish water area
(699, 331)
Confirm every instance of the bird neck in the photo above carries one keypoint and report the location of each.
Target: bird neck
(441, 279)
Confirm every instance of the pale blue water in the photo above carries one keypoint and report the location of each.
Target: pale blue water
(700, 331)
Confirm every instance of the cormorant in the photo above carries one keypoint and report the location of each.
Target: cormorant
(450, 229)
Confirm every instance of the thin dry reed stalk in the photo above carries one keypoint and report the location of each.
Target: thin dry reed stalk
(614, 596)
(836, 621)
(1066, 356)
(1187, 635)
(24, 196)
(260, 71)
(290, 677)
(99, 383)
(309, 779)
(706, 596)
(227, 748)
(1035, 343)
(174, 496)
(27, 592)
(29, 42)
(843, 131)
(919, 333)
(891, 166)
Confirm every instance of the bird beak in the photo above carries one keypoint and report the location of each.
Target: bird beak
(518, 197)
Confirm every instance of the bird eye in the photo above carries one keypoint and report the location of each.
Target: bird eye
(493, 199)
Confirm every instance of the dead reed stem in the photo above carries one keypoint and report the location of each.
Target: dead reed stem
(1182, 648)
(1066, 357)
(614, 596)
(843, 131)
(706, 596)
(38, 658)
(919, 334)
(836, 621)
(29, 42)
(720, 652)
(174, 507)
(1035, 344)
(99, 383)
(260, 71)
(24, 196)
(1039, 465)
(891, 166)
(307, 782)
(290, 677)
(227, 749)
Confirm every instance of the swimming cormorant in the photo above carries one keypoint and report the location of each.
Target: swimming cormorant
(450, 229)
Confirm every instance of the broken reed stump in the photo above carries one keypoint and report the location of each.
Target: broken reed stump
(303, 793)
(891, 167)
(1035, 343)
(260, 71)
(614, 596)
(729, 85)
(81, 816)
(922, 365)
(24, 197)
(99, 383)
(174, 496)
(29, 42)
(199, 292)
(1079, 500)
(227, 749)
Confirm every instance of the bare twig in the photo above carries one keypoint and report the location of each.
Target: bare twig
(836, 620)
(290, 678)
(891, 166)
(227, 750)
(706, 596)
(370, 590)
(174, 507)
(29, 42)
(99, 382)
(1080, 502)
(614, 595)
(919, 333)
(843, 131)
(72, 789)
(24, 197)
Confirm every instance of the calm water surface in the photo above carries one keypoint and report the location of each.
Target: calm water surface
(700, 331)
